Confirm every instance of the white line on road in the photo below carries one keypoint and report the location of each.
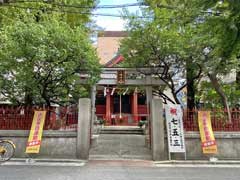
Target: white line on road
(42, 164)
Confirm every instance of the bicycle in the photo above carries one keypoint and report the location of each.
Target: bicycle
(7, 150)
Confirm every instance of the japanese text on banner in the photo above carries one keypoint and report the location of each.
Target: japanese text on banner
(35, 136)
(175, 128)
(207, 137)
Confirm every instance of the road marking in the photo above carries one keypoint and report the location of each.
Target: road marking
(75, 164)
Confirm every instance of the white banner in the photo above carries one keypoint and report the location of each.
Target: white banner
(175, 130)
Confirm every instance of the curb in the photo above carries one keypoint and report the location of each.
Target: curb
(77, 162)
(43, 162)
(47, 160)
(198, 162)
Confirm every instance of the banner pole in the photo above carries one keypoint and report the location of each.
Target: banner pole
(169, 153)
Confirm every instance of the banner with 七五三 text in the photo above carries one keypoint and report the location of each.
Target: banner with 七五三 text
(209, 145)
(175, 132)
(35, 136)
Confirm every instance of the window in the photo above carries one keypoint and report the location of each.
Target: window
(100, 99)
(141, 99)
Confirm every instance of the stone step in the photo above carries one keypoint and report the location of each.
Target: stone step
(121, 130)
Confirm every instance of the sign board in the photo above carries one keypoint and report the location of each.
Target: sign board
(35, 136)
(121, 76)
(175, 130)
(209, 145)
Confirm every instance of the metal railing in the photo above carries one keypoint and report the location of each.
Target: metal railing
(65, 118)
(20, 118)
(219, 120)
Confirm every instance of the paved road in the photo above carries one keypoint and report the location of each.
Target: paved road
(118, 170)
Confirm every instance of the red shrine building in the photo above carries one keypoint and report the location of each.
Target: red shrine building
(117, 105)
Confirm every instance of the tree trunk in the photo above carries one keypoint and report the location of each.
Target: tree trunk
(219, 90)
(238, 80)
(28, 100)
(46, 98)
(175, 97)
(28, 97)
(190, 85)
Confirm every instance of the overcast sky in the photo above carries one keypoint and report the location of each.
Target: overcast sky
(113, 23)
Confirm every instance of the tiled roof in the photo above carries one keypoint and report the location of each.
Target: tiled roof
(115, 60)
(113, 34)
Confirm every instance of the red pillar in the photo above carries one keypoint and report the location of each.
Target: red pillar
(108, 108)
(135, 107)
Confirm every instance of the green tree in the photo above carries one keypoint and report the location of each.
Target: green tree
(161, 42)
(40, 62)
(147, 46)
(70, 11)
(211, 99)
(203, 34)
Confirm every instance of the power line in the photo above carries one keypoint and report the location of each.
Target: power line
(89, 13)
(81, 6)
(75, 12)
(85, 13)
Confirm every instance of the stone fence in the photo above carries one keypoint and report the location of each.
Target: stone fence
(55, 144)
(61, 144)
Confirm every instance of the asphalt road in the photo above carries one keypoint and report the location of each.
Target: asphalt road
(119, 170)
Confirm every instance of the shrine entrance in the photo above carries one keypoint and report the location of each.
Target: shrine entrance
(121, 104)
(117, 114)
(118, 96)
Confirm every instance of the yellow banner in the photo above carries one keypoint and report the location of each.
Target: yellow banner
(35, 136)
(209, 145)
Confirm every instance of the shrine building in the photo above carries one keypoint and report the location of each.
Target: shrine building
(117, 104)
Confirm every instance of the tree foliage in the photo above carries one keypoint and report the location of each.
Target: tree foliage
(206, 94)
(160, 42)
(203, 35)
(63, 10)
(40, 59)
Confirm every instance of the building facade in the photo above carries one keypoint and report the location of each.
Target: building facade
(108, 43)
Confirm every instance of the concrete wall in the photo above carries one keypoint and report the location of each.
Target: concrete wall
(228, 144)
(61, 144)
(58, 144)
(55, 144)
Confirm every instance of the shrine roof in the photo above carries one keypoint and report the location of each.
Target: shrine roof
(114, 61)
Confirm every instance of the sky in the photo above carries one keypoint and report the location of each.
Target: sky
(113, 23)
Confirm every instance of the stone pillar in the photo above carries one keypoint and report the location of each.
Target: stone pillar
(148, 127)
(93, 107)
(83, 131)
(149, 98)
(157, 130)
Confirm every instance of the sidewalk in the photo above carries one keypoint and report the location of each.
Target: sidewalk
(44, 162)
(125, 162)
